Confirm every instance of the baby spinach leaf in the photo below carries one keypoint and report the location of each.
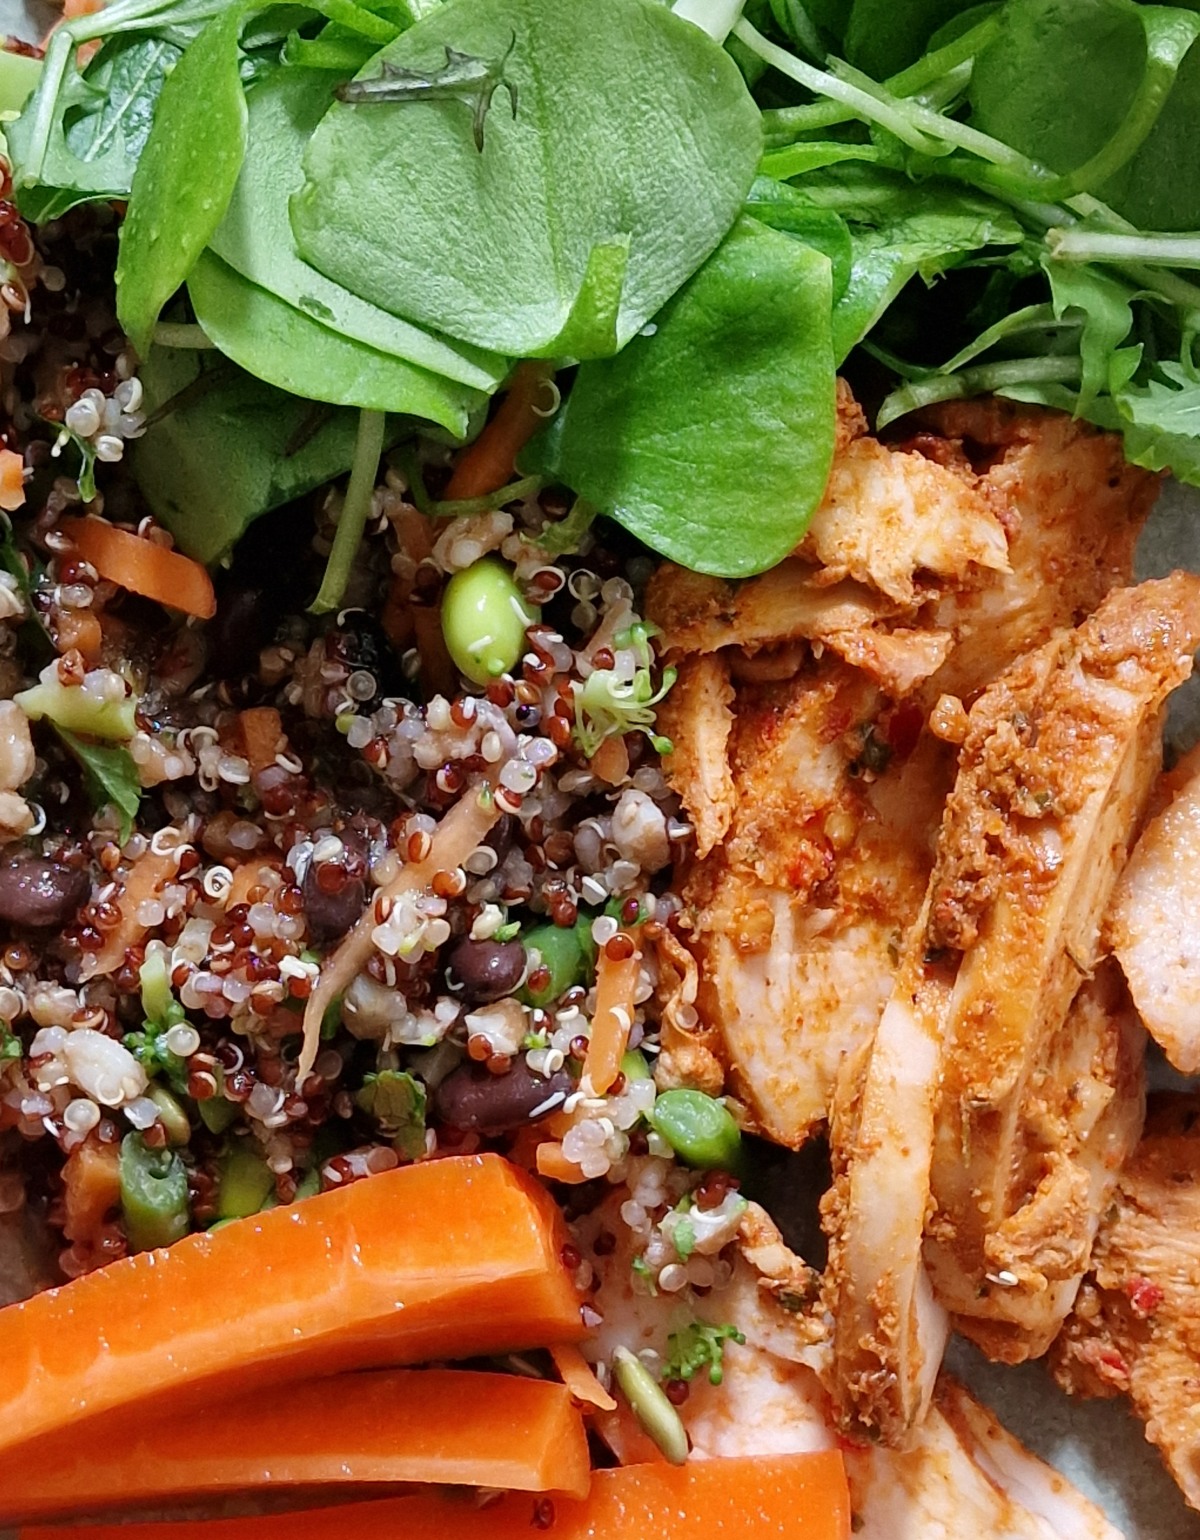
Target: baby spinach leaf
(277, 343)
(185, 175)
(255, 237)
(784, 208)
(711, 437)
(100, 129)
(110, 776)
(633, 130)
(246, 428)
(885, 36)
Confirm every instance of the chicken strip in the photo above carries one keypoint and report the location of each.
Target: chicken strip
(1135, 1329)
(1059, 756)
(696, 718)
(1059, 761)
(1152, 925)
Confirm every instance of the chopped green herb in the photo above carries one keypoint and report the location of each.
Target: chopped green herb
(396, 1100)
(111, 777)
(699, 1346)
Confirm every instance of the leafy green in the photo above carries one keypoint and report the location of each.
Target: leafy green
(883, 36)
(104, 117)
(580, 217)
(699, 1346)
(474, 82)
(733, 394)
(255, 237)
(10, 1044)
(1104, 305)
(283, 346)
(185, 175)
(258, 436)
(396, 1101)
(110, 776)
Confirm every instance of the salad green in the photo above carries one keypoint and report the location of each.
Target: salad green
(697, 213)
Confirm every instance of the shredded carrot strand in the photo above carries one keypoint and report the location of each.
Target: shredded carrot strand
(576, 1374)
(616, 981)
(554, 1165)
(12, 480)
(464, 828)
(262, 731)
(147, 875)
(144, 567)
(489, 463)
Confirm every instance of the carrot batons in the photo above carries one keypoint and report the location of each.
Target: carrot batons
(450, 1426)
(447, 1259)
(781, 1497)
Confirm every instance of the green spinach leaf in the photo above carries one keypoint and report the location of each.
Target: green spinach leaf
(110, 776)
(582, 214)
(255, 237)
(885, 36)
(711, 438)
(101, 127)
(1104, 305)
(246, 428)
(185, 175)
(784, 209)
(279, 344)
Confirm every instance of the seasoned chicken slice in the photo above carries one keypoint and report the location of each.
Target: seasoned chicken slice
(797, 918)
(1135, 1328)
(1152, 926)
(1075, 510)
(1058, 758)
(696, 718)
(1080, 1120)
(926, 518)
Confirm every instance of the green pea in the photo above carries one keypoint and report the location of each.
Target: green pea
(484, 620)
(650, 1405)
(154, 1194)
(699, 1129)
(246, 1183)
(568, 954)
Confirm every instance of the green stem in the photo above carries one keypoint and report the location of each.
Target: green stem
(716, 17)
(364, 470)
(975, 382)
(1078, 245)
(789, 122)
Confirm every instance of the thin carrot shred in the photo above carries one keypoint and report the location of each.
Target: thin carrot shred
(489, 463)
(616, 982)
(554, 1165)
(576, 1374)
(464, 829)
(144, 567)
(12, 480)
(147, 876)
(262, 732)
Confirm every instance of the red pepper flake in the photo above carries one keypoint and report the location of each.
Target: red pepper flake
(1144, 1296)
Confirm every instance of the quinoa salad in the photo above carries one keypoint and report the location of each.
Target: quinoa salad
(587, 868)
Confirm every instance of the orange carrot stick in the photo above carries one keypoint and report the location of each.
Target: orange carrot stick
(148, 874)
(775, 1498)
(576, 1374)
(447, 1426)
(448, 1259)
(555, 1166)
(616, 981)
(144, 567)
(489, 463)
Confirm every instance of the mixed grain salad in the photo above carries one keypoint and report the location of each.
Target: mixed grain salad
(585, 860)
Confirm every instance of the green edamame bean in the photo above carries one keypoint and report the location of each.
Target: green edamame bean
(567, 954)
(484, 620)
(246, 1183)
(650, 1405)
(174, 1119)
(154, 1194)
(699, 1129)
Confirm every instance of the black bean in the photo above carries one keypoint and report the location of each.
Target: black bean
(480, 971)
(241, 628)
(501, 836)
(40, 893)
(472, 1098)
(330, 915)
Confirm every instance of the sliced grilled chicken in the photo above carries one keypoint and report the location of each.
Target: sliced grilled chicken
(1135, 1329)
(1152, 925)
